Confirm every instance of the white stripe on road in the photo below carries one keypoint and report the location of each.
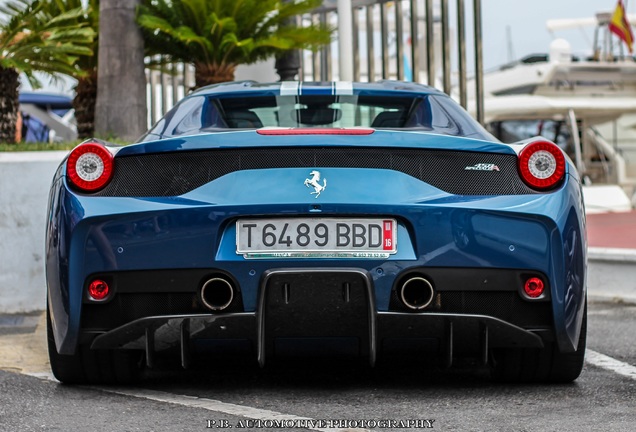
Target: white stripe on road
(608, 363)
(223, 407)
(226, 408)
(591, 357)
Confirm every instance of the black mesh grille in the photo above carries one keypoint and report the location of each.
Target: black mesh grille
(176, 173)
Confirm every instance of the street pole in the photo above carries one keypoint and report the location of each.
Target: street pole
(288, 64)
(345, 40)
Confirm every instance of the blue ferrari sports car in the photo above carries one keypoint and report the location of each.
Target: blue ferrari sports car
(375, 221)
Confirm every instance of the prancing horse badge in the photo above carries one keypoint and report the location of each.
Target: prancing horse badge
(314, 181)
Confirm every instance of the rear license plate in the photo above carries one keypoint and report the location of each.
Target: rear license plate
(316, 238)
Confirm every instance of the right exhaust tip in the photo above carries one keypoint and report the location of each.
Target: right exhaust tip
(416, 293)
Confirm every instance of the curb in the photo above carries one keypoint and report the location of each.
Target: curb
(34, 156)
(618, 267)
(612, 298)
(611, 254)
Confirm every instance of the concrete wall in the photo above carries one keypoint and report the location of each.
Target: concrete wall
(25, 179)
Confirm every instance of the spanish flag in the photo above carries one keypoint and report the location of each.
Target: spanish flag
(620, 26)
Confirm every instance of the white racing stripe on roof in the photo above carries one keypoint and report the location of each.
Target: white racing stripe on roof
(289, 88)
(344, 88)
(608, 363)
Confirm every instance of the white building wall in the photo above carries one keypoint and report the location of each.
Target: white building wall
(25, 179)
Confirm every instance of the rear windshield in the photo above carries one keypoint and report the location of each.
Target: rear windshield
(201, 114)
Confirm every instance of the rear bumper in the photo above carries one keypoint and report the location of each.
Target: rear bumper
(175, 242)
(329, 311)
(436, 331)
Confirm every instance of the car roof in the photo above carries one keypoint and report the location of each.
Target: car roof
(307, 87)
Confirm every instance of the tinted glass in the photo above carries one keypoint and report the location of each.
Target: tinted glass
(435, 113)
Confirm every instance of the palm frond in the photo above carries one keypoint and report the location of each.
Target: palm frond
(65, 17)
(42, 25)
(223, 34)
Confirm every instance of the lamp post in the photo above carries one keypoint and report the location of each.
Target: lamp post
(345, 40)
(288, 65)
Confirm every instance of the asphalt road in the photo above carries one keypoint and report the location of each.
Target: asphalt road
(215, 395)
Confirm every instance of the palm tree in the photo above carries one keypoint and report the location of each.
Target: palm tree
(32, 40)
(85, 65)
(86, 90)
(218, 35)
(121, 109)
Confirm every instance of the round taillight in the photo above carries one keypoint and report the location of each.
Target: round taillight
(542, 165)
(533, 287)
(98, 290)
(89, 166)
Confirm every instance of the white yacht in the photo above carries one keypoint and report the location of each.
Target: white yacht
(585, 104)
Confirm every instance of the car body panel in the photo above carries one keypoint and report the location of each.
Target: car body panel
(437, 232)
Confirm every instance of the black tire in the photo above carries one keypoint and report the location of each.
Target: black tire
(547, 364)
(89, 366)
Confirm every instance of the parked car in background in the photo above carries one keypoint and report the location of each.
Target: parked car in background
(370, 220)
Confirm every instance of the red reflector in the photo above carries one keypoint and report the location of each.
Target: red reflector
(98, 290)
(534, 287)
(315, 131)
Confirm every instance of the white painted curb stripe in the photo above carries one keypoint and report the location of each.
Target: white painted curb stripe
(627, 256)
(33, 156)
(608, 363)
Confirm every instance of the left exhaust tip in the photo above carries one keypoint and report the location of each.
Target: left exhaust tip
(217, 293)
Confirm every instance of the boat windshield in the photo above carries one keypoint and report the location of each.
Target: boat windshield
(204, 113)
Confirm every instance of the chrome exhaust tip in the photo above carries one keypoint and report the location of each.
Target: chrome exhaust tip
(217, 293)
(416, 293)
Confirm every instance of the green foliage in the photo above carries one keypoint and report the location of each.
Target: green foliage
(226, 33)
(36, 37)
(22, 147)
(46, 146)
(86, 17)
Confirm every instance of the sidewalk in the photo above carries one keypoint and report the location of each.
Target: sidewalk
(612, 230)
(612, 257)
(23, 344)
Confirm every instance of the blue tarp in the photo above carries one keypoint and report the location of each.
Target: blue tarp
(33, 129)
(46, 100)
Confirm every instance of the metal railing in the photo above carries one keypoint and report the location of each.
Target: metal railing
(413, 40)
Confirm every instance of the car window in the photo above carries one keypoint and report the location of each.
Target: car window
(185, 118)
(434, 113)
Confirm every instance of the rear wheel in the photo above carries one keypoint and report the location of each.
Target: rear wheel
(546, 364)
(89, 366)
